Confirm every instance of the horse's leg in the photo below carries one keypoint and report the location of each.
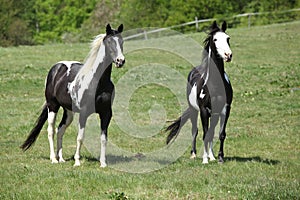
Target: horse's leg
(80, 137)
(222, 136)
(65, 122)
(204, 119)
(51, 132)
(194, 120)
(210, 135)
(105, 118)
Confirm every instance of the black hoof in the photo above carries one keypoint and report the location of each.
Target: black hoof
(221, 160)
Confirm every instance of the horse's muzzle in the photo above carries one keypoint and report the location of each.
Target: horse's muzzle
(228, 57)
(120, 62)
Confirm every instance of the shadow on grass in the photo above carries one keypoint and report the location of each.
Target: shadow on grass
(253, 159)
(113, 159)
(118, 159)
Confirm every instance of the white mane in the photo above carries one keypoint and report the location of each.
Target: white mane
(93, 58)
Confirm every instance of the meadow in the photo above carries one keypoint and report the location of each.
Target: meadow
(262, 148)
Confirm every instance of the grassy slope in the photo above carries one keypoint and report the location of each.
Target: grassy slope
(262, 147)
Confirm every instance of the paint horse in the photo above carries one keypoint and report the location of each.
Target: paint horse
(209, 92)
(84, 88)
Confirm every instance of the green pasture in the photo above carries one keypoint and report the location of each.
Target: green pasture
(262, 148)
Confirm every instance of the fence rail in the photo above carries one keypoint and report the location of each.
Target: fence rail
(197, 21)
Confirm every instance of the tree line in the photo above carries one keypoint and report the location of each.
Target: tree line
(29, 22)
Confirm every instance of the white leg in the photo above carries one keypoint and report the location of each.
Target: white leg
(211, 152)
(60, 133)
(51, 131)
(205, 154)
(80, 138)
(103, 149)
(208, 140)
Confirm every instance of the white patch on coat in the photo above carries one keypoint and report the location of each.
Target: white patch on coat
(193, 97)
(226, 77)
(68, 64)
(202, 95)
(207, 73)
(224, 110)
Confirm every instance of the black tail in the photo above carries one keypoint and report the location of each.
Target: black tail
(175, 127)
(36, 130)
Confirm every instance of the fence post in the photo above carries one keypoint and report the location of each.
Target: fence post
(249, 20)
(145, 34)
(197, 25)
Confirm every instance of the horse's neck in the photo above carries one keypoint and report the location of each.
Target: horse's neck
(106, 74)
(215, 62)
(87, 80)
(94, 68)
(213, 66)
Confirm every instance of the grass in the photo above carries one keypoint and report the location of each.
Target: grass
(262, 148)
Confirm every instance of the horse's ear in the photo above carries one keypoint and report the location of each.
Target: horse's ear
(224, 26)
(120, 28)
(108, 29)
(214, 25)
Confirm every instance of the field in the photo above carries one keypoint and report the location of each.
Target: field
(262, 148)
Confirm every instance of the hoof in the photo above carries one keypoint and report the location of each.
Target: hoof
(61, 160)
(205, 161)
(193, 156)
(77, 163)
(212, 158)
(221, 160)
(54, 161)
(103, 165)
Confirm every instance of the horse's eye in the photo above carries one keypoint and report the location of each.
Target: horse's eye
(215, 39)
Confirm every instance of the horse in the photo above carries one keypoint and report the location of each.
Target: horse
(81, 88)
(209, 92)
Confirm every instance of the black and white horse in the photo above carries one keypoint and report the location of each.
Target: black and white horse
(209, 92)
(84, 88)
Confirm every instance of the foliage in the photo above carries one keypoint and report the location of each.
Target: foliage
(16, 22)
(55, 18)
(41, 21)
(105, 11)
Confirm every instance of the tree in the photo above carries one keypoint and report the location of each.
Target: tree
(15, 18)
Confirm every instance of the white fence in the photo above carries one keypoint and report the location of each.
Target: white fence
(197, 21)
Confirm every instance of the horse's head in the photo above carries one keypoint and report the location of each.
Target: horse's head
(219, 41)
(114, 42)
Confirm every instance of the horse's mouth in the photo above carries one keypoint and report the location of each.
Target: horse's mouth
(228, 59)
(120, 64)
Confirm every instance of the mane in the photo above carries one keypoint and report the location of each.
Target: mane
(202, 69)
(93, 56)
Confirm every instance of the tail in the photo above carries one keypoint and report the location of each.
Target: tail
(174, 128)
(36, 130)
